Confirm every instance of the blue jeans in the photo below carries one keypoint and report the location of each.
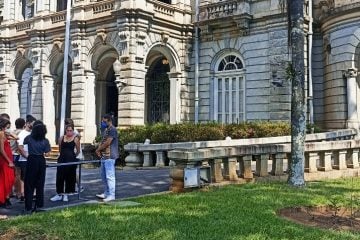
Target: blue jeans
(108, 176)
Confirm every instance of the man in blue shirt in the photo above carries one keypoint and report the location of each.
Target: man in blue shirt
(108, 151)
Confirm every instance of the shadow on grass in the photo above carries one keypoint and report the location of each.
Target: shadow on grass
(232, 212)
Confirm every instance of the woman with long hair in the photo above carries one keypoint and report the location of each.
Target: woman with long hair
(66, 175)
(7, 174)
(38, 147)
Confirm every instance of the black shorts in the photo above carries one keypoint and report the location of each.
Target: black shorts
(16, 159)
(22, 166)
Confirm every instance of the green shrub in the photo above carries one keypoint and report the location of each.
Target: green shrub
(189, 132)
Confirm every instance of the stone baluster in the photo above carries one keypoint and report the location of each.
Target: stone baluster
(340, 160)
(278, 164)
(310, 162)
(230, 169)
(245, 167)
(352, 158)
(148, 160)
(262, 165)
(325, 161)
(216, 171)
(133, 160)
(160, 158)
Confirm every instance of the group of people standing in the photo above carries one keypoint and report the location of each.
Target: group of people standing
(22, 161)
(23, 165)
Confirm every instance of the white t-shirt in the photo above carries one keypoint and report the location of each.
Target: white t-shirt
(22, 135)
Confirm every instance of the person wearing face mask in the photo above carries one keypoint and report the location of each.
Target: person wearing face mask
(7, 175)
(66, 175)
(23, 151)
(108, 151)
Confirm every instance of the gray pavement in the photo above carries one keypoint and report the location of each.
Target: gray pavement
(129, 183)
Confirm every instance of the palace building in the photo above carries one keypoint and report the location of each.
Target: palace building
(143, 61)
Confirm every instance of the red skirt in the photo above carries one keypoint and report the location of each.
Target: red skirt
(7, 174)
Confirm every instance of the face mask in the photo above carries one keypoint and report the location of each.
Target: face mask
(103, 125)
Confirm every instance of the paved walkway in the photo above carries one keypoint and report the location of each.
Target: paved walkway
(129, 183)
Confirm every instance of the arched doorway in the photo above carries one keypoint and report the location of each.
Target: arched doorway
(106, 91)
(25, 92)
(23, 72)
(158, 91)
(58, 82)
(107, 96)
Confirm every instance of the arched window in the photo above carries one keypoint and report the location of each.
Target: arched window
(229, 85)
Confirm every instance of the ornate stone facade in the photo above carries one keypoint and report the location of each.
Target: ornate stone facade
(136, 58)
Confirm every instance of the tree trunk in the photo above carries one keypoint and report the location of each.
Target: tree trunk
(298, 106)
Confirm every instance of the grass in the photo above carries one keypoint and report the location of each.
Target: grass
(226, 213)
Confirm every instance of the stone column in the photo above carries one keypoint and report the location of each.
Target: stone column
(175, 101)
(89, 124)
(148, 161)
(352, 88)
(48, 103)
(13, 100)
(120, 84)
(8, 12)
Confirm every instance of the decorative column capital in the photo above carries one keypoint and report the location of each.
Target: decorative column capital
(350, 73)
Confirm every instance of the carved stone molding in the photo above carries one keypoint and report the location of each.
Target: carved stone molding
(101, 35)
(350, 73)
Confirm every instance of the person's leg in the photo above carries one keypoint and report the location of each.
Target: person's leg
(103, 178)
(40, 183)
(29, 183)
(70, 179)
(110, 176)
(60, 178)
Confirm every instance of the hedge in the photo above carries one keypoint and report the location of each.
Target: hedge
(190, 132)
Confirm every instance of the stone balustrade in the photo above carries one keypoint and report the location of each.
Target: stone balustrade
(331, 159)
(150, 155)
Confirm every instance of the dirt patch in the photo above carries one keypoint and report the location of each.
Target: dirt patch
(323, 217)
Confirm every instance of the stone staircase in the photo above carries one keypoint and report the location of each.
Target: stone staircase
(54, 153)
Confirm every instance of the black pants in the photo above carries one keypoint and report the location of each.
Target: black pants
(67, 175)
(34, 179)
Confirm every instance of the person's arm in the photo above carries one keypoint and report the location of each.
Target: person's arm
(47, 148)
(2, 150)
(103, 146)
(59, 143)
(11, 135)
(77, 145)
(22, 151)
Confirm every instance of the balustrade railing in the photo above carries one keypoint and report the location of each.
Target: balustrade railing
(331, 159)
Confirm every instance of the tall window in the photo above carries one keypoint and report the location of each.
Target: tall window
(229, 96)
(61, 5)
(27, 10)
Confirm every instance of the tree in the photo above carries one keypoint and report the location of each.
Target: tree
(298, 106)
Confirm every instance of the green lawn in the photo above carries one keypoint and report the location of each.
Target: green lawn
(232, 212)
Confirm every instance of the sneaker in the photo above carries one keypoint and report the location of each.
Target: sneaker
(102, 196)
(65, 198)
(82, 189)
(108, 199)
(57, 197)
